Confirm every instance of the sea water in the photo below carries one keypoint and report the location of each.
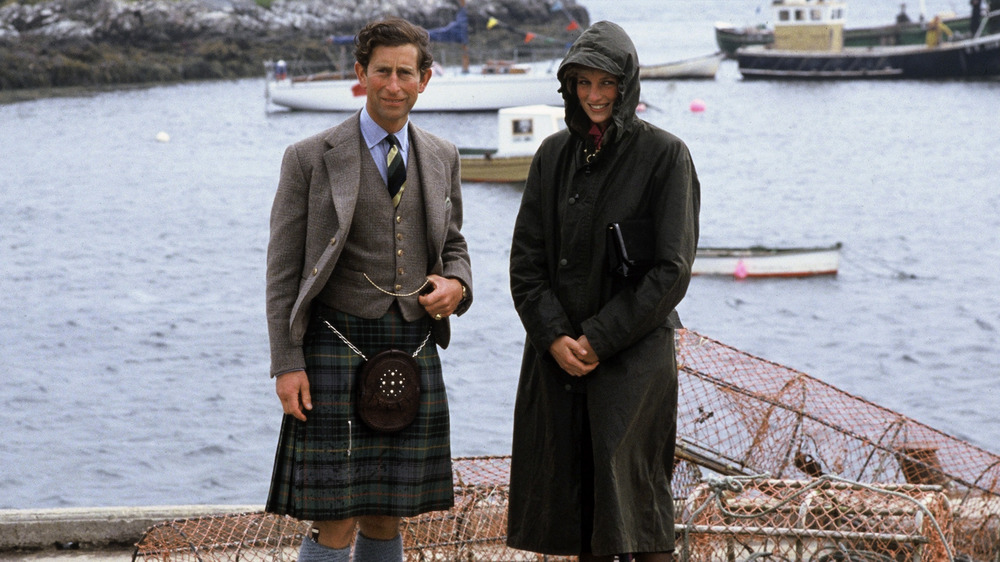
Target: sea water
(133, 347)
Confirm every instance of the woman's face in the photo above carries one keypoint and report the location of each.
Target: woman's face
(597, 91)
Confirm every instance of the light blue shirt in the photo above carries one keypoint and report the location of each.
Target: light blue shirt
(378, 145)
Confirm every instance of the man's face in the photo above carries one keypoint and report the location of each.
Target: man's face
(393, 81)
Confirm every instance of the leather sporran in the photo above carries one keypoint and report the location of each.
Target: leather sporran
(389, 391)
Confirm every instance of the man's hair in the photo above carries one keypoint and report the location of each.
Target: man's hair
(392, 32)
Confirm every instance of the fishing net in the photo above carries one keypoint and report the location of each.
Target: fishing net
(771, 464)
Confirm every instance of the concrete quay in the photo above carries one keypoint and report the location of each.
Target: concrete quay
(97, 534)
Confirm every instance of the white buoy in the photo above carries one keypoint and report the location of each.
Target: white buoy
(162, 136)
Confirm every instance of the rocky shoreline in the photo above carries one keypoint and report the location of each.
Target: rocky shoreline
(100, 43)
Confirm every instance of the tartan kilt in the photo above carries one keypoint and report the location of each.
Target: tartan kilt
(332, 466)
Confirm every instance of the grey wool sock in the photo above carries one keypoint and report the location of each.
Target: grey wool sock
(312, 551)
(372, 550)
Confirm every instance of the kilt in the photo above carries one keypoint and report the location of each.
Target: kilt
(333, 467)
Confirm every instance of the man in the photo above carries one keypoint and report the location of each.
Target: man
(935, 29)
(352, 270)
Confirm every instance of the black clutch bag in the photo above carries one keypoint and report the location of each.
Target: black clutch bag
(630, 247)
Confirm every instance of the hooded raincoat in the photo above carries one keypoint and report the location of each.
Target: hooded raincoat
(561, 284)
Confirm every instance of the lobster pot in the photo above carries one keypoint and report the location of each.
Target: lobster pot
(816, 520)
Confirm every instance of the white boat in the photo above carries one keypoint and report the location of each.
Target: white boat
(489, 88)
(758, 261)
(703, 67)
(519, 132)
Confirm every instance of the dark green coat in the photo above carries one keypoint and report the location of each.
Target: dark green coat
(560, 285)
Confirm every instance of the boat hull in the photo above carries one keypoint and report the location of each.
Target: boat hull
(767, 262)
(695, 68)
(973, 58)
(495, 169)
(469, 92)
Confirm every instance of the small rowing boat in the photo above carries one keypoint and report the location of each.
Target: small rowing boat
(759, 261)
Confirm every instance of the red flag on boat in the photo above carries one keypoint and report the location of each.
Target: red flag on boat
(528, 37)
(358, 90)
(573, 26)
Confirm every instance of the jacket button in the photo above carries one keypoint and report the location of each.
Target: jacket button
(399, 287)
(399, 220)
(399, 252)
(399, 236)
(315, 271)
(401, 271)
(333, 241)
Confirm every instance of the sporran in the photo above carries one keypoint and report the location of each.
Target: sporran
(388, 387)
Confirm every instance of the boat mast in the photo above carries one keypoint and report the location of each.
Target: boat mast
(465, 47)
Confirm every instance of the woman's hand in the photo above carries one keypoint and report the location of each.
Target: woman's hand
(576, 357)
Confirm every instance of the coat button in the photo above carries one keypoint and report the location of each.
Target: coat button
(569, 387)
(563, 262)
(572, 200)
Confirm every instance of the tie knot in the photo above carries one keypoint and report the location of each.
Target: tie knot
(393, 141)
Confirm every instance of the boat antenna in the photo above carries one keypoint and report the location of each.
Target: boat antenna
(465, 47)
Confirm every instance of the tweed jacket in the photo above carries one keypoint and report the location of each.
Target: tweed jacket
(311, 217)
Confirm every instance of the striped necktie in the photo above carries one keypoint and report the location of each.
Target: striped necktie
(397, 170)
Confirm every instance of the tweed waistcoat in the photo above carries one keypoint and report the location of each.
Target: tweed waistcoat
(387, 244)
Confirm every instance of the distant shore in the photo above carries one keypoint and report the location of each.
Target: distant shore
(92, 44)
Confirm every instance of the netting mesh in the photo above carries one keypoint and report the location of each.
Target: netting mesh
(771, 464)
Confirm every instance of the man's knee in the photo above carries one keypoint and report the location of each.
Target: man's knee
(335, 534)
(379, 527)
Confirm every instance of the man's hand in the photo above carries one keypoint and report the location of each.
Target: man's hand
(576, 357)
(442, 301)
(293, 390)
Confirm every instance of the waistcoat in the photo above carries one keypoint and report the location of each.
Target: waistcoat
(387, 244)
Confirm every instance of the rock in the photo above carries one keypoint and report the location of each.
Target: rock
(54, 42)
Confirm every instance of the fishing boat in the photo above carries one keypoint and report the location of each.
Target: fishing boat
(809, 44)
(730, 37)
(703, 67)
(519, 132)
(760, 261)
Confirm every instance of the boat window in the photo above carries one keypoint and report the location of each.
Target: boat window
(816, 14)
(783, 15)
(522, 126)
(800, 15)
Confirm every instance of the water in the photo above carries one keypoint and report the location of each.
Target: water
(132, 334)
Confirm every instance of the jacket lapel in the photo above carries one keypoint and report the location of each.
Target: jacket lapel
(343, 164)
(434, 182)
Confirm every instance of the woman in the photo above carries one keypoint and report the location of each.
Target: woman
(595, 418)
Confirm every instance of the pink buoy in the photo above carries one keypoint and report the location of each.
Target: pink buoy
(741, 270)
(697, 106)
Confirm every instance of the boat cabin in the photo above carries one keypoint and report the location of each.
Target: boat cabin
(809, 25)
(522, 129)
